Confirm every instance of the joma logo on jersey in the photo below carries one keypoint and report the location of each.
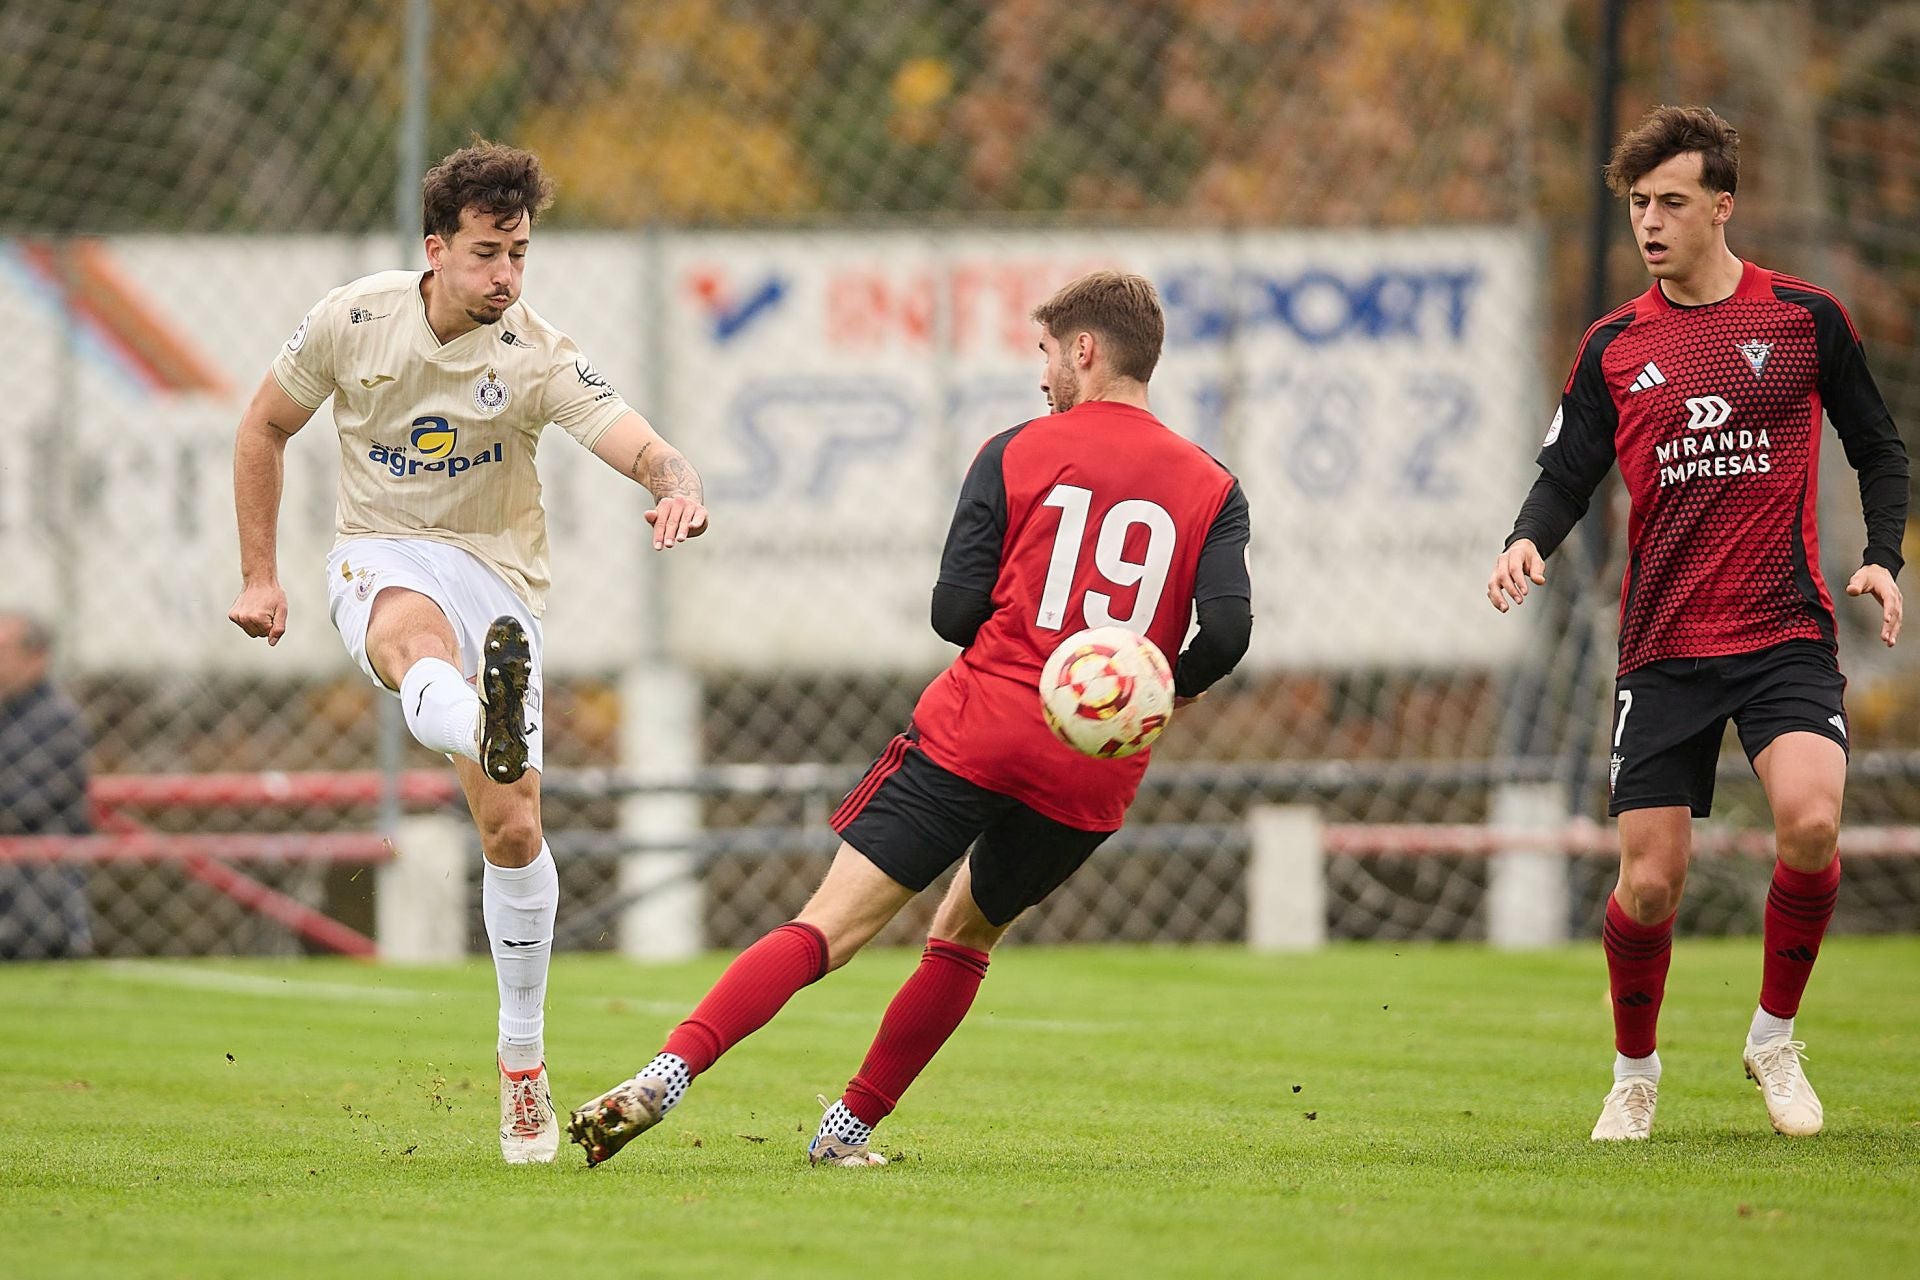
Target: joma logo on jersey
(1704, 413)
(433, 441)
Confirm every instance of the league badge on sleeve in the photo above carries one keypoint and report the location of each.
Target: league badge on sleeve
(491, 394)
(1553, 432)
(299, 337)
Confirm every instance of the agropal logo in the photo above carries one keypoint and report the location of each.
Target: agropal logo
(432, 444)
(1704, 413)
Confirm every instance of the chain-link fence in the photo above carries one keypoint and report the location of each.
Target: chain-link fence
(803, 238)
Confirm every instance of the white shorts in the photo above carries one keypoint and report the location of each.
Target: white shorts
(467, 591)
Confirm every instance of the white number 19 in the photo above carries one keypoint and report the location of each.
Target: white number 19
(1149, 573)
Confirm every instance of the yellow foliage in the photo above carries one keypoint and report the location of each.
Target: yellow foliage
(674, 158)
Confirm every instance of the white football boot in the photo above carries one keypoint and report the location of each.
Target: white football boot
(529, 1131)
(1792, 1105)
(1627, 1114)
(618, 1116)
(837, 1153)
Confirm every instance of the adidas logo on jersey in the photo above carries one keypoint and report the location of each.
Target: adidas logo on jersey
(1650, 377)
(1840, 723)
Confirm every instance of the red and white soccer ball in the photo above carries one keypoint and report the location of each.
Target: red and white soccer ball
(1106, 692)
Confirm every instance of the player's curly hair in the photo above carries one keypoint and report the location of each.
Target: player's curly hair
(489, 176)
(1667, 132)
(1123, 309)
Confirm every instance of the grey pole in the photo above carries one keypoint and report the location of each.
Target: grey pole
(412, 164)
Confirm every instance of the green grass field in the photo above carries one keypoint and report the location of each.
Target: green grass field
(1368, 1111)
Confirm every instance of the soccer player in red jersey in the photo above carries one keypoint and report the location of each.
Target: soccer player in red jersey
(1096, 514)
(1708, 390)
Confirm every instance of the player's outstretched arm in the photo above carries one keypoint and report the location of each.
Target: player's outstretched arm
(259, 465)
(1520, 564)
(632, 447)
(1876, 580)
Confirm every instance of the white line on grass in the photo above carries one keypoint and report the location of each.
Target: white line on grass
(668, 1008)
(175, 974)
(248, 984)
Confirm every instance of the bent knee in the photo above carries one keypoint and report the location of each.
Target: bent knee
(1807, 841)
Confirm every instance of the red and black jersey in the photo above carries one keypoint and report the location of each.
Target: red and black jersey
(1097, 516)
(1713, 413)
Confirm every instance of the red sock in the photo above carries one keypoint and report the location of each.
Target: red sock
(1798, 907)
(755, 986)
(917, 1023)
(1637, 956)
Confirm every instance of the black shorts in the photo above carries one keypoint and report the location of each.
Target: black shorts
(913, 820)
(1669, 717)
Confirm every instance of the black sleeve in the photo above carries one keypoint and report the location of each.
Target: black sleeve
(1226, 628)
(959, 613)
(1223, 601)
(1578, 451)
(1865, 428)
(970, 561)
(1223, 556)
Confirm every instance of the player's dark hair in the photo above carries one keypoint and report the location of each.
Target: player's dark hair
(503, 181)
(1671, 131)
(1122, 309)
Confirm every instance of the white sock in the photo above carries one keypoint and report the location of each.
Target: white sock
(518, 904)
(442, 709)
(843, 1124)
(1648, 1066)
(672, 1068)
(1767, 1027)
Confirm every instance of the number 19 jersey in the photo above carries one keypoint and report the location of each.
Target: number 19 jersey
(1092, 517)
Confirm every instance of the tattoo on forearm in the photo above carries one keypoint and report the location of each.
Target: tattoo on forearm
(672, 476)
(639, 458)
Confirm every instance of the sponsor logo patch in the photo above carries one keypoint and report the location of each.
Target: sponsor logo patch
(1704, 413)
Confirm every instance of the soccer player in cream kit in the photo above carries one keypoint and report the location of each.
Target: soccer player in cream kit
(1708, 390)
(442, 382)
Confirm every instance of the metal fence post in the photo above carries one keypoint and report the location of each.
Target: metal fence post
(660, 743)
(1286, 879)
(421, 899)
(1527, 889)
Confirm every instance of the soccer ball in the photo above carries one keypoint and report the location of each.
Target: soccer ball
(1106, 692)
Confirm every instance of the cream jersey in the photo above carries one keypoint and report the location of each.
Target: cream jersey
(437, 439)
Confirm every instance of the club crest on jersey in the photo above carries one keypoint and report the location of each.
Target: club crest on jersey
(1756, 353)
(491, 394)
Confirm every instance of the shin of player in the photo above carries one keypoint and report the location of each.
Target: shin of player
(1707, 390)
(442, 382)
(978, 778)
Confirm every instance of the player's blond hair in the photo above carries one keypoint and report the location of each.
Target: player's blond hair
(496, 179)
(1667, 132)
(1122, 310)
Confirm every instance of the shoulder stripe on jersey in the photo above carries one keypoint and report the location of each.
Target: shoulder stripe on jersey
(1580, 353)
(1781, 279)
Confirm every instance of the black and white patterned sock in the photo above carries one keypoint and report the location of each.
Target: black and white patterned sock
(842, 1125)
(673, 1069)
